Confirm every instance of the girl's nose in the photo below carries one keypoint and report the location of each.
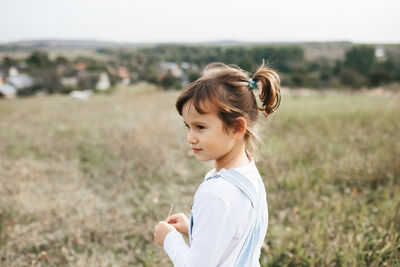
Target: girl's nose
(191, 138)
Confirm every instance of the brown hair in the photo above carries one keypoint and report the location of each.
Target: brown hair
(227, 89)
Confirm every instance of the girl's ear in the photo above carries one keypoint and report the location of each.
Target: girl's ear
(239, 128)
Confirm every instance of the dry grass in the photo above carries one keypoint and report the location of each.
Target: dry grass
(84, 183)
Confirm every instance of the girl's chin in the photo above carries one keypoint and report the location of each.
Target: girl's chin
(202, 159)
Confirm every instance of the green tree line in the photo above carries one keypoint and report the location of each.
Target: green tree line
(359, 68)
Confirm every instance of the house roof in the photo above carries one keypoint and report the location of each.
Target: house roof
(20, 81)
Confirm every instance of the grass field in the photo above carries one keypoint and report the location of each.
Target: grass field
(84, 183)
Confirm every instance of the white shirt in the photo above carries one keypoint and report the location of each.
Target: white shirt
(220, 211)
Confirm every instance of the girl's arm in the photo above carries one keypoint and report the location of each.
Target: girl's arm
(212, 232)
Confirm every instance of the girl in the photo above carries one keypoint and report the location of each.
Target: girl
(229, 214)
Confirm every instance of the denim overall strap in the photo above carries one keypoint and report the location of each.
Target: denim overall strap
(190, 225)
(242, 183)
(248, 255)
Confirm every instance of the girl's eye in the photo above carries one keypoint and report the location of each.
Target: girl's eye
(200, 127)
(187, 126)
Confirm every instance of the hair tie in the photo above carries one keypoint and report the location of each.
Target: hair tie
(252, 83)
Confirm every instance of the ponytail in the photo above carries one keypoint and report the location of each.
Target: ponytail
(270, 96)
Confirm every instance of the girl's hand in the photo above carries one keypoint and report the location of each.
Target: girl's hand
(160, 232)
(180, 222)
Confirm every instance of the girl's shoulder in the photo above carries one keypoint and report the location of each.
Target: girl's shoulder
(222, 189)
(248, 173)
(218, 187)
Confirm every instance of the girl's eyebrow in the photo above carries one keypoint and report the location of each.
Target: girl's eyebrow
(196, 122)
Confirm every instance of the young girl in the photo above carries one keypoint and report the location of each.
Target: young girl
(229, 215)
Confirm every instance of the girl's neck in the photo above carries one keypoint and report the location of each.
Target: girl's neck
(236, 158)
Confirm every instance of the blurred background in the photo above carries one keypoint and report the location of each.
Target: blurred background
(93, 153)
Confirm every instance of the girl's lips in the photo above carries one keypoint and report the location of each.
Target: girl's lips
(195, 150)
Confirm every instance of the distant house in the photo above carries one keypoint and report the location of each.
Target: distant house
(69, 81)
(20, 81)
(103, 82)
(8, 91)
(171, 67)
(15, 81)
(80, 65)
(12, 72)
(185, 65)
(123, 73)
(379, 52)
(87, 80)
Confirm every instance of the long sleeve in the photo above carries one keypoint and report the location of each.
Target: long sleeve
(212, 232)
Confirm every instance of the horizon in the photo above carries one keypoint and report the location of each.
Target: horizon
(204, 42)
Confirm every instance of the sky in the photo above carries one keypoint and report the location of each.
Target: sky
(151, 21)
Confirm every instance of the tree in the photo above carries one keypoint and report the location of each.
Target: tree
(9, 62)
(350, 77)
(381, 74)
(61, 60)
(39, 59)
(170, 81)
(360, 58)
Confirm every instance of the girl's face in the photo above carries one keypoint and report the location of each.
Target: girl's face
(206, 134)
